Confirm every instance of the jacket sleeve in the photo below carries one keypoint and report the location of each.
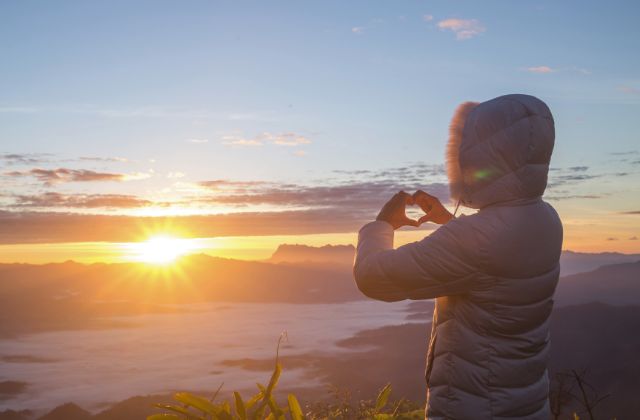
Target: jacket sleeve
(442, 264)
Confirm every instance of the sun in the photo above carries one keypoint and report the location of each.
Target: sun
(161, 249)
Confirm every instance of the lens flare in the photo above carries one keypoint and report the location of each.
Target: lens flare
(160, 249)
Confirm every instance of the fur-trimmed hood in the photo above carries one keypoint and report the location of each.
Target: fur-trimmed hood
(499, 150)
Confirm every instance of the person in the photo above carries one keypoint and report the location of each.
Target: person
(492, 273)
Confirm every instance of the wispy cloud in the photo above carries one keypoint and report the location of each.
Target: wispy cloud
(102, 159)
(287, 139)
(629, 89)
(240, 141)
(427, 18)
(358, 30)
(549, 69)
(64, 175)
(25, 158)
(144, 111)
(355, 190)
(559, 177)
(51, 200)
(198, 141)
(339, 203)
(462, 28)
(540, 69)
(282, 139)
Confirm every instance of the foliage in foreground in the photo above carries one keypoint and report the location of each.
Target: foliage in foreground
(263, 405)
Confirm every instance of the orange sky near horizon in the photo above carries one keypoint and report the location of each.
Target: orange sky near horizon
(579, 237)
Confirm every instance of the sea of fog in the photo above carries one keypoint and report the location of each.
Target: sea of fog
(179, 351)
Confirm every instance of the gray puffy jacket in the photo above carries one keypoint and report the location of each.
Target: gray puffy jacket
(493, 273)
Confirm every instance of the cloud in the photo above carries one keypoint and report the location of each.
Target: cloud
(144, 111)
(240, 141)
(299, 153)
(463, 28)
(572, 197)
(56, 200)
(540, 69)
(358, 30)
(25, 158)
(287, 139)
(281, 139)
(628, 152)
(224, 184)
(631, 212)
(574, 174)
(102, 159)
(361, 194)
(548, 69)
(427, 18)
(578, 168)
(633, 238)
(340, 203)
(198, 141)
(64, 175)
(629, 89)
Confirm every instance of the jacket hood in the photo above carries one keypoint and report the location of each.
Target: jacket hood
(499, 150)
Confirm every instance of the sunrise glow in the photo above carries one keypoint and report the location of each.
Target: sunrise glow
(161, 249)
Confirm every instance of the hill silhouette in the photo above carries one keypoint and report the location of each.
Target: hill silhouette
(617, 284)
(580, 262)
(571, 262)
(341, 255)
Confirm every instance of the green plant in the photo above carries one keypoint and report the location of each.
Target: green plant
(263, 405)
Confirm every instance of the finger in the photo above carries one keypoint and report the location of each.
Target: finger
(424, 219)
(422, 193)
(405, 197)
(423, 197)
(411, 222)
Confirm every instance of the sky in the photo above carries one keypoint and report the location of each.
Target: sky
(249, 124)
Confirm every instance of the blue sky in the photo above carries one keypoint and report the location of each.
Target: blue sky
(289, 92)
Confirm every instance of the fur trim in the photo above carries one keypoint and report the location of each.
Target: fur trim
(456, 129)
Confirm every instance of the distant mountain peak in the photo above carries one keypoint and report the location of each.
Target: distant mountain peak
(68, 411)
(296, 253)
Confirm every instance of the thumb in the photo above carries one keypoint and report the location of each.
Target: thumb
(411, 222)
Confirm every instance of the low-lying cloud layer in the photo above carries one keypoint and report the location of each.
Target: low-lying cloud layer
(63, 175)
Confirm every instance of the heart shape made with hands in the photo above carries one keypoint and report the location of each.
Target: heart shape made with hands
(417, 210)
(395, 211)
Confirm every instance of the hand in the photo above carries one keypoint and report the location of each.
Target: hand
(394, 211)
(435, 211)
